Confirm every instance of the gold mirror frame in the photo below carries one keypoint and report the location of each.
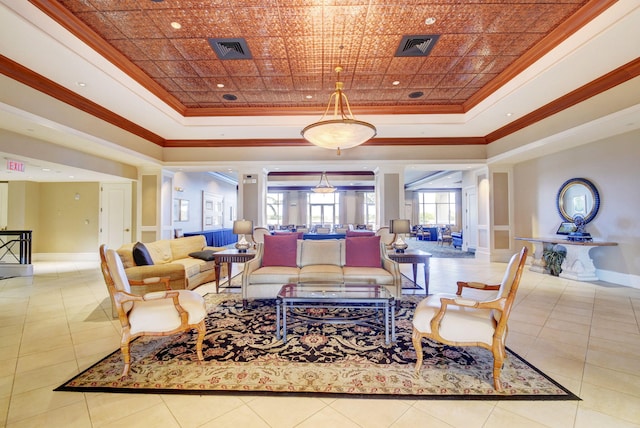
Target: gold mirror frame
(578, 196)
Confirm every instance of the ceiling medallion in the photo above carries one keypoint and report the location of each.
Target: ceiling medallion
(323, 185)
(341, 130)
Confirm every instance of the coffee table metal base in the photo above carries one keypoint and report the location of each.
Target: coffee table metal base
(356, 297)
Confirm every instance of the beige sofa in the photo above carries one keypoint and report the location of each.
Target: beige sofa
(317, 261)
(171, 258)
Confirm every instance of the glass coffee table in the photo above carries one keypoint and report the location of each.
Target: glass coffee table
(341, 296)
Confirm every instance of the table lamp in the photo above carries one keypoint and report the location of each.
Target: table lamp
(400, 227)
(241, 228)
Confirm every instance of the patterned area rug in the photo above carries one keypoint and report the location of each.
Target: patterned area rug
(439, 251)
(242, 355)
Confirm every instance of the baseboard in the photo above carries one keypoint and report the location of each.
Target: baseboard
(52, 257)
(625, 279)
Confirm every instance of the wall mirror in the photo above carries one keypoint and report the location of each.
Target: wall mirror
(578, 196)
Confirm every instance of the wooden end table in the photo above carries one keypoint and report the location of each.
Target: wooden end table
(229, 257)
(414, 257)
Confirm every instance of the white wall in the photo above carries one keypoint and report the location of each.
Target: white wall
(612, 165)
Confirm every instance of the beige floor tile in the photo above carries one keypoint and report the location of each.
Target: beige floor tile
(241, 417)
(501, 418)
(371, 412)
(40, 400)
(566, 337)
(44, 344)
(4, 410)
(72, 416)
(459, 414)
(605, 345)
(104, 345)
(45, 359)
(327, 417)
(588, 418)
(157, 416)
(209, 407)
(612, 360)
(416, 418)
(286, 411)
(107, 408)
(610, 402)
(6, 386)
(613, 379)
(44, 376)
(557, 414)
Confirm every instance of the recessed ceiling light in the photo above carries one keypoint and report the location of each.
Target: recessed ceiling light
(46, 169)
(509, 114)
(81, 84)
(220, 85)
(176, 25)
(309, 97)
(430, 21)
(395, 83)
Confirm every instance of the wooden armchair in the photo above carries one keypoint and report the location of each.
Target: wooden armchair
(458, 321)
(444, 235)
(258, 234)
(159, 313)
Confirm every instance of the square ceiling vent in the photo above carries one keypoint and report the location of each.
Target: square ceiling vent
(416, 45)
(230, 48)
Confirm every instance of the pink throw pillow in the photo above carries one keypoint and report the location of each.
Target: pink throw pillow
(354, 233)
(280, 250)
(363, 251)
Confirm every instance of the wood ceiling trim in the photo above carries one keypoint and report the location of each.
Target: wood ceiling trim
(574, 23)
(62, 16)
(257, 142)
(18, 72)
(616, 77)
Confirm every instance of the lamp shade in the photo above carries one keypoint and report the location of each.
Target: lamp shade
(400, 226)
(242, 227)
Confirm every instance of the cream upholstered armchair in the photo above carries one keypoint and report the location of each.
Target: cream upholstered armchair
(159, 313)
(258, 234)
(386, 237)
(458, 321)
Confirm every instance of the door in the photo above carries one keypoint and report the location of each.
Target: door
(470, 234)
(115, 214)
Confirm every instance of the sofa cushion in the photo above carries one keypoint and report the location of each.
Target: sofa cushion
(280, 250)
(367, 275)
(160, 251)
(320, 252)
(362, 251)
(206, 255)
(274, 275)
(321, 273)
(141, 255)
(181, 247)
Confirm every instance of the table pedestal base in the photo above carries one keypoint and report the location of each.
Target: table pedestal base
(577, 265)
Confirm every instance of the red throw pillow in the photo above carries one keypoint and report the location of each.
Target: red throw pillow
(354, 233)
(280, 250)
(363, 251)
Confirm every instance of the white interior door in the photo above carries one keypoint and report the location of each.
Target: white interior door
(115, 214)
(470, 234)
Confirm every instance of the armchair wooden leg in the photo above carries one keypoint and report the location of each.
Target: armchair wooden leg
(202, 329)
(498, 362)
(126, 354)
(416, 338)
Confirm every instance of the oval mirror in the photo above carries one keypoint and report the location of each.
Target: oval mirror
(578, 196)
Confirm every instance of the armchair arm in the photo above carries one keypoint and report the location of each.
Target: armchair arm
(445, 302)
(392, 267)
(476, 285)
(153, 280)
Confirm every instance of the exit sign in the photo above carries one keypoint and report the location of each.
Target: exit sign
(15, 166)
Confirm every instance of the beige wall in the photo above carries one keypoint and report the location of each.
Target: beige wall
(612, 165)
(61, 223)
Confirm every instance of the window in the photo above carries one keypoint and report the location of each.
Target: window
(437, 207)
(275, 208)
(324, 208)
(369, 208)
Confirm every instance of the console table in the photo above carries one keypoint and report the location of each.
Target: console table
(577, 265)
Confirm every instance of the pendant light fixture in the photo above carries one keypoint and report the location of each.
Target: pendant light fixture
(323, 185)
(340, 130)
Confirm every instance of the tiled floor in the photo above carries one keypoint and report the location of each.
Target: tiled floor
(584, 335)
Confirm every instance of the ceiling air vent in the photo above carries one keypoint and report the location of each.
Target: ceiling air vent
(416, 45)
(230, 48)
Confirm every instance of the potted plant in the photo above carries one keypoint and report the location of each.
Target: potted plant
(553, 257)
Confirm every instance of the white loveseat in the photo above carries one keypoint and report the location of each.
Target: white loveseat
(317, 261)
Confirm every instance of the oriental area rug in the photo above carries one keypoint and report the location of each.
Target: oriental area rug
(243, 356)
